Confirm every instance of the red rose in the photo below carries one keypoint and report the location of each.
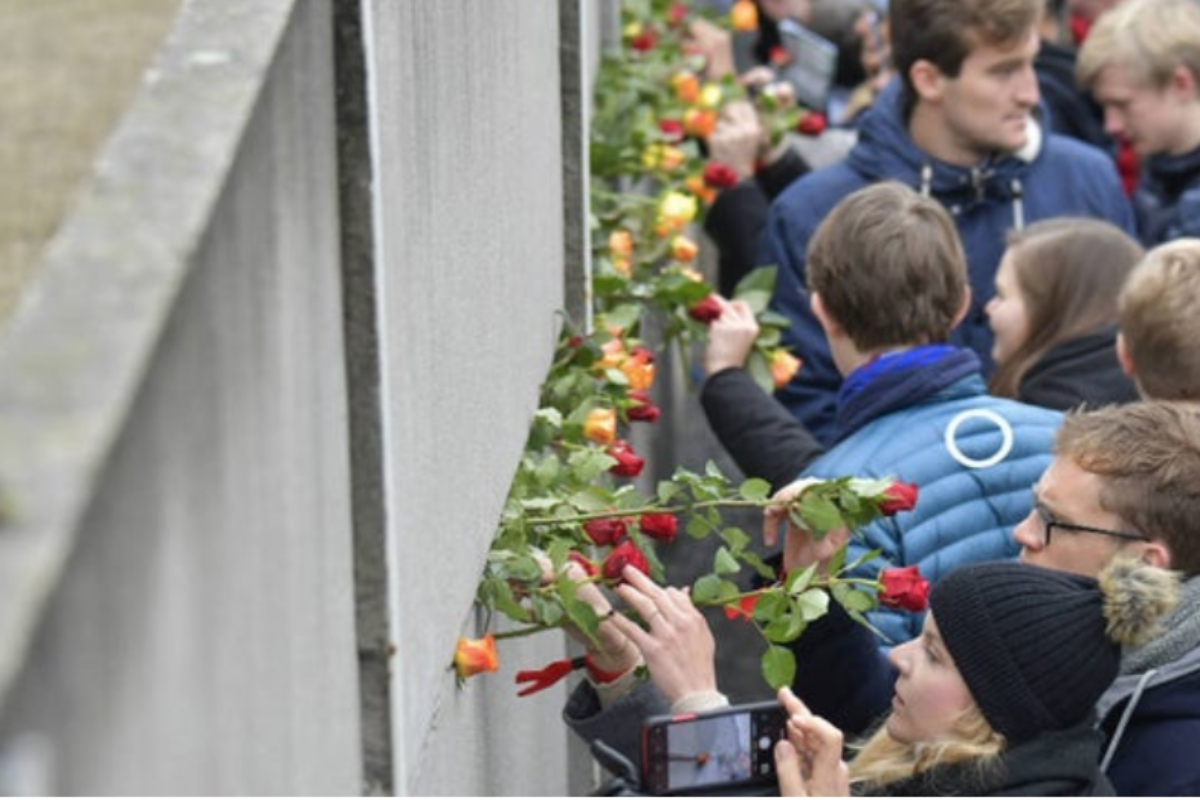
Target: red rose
(642, 409)
(659, 526)
(720, 175)
(624, 555)
(605, 532)
(676, 14)
(898, 497)
(706, 310)
(588, 565)
(779, 56)
(812, 124)
(644, 41)
(629, 464)
(671, 129)
(904, 588)
(744, 609)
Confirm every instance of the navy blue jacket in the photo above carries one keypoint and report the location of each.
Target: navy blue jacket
(1167, 200)
(1055, 176)
(1156, 753)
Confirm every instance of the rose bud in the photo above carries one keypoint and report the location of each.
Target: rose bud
(677, 14)
(644, 41)
(642, 410)
(605, 532)
(720, 175)
(784, 367)
(671, 129)
(659, 526)
(601, 425)
(743, 16)
(903, 588)
(684, 249)
(473, 656)
(811, 124)
(623, 555)
(639, 369)
(583, 561)
(898, 497)
(744, 608)
(706, 310)
(629, 464)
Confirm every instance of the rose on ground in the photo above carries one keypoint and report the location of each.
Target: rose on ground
(812, 124)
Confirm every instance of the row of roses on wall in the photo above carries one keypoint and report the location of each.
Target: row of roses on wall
(575, 495)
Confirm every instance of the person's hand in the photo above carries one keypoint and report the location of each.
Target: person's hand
(715, 44)
(676, 643)
(738, 139)
(809, 762)
(731, 336)
(800, 548)
(611, 650)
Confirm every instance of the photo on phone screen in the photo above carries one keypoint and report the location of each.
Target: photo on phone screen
(730, 747)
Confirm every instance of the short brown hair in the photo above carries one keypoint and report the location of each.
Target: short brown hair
(1150, 38)
(889, 267)
(1159, 315)
(1148, 455)
(1069, 272)
(944, 32)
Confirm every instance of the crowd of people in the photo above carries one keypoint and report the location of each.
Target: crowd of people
(994, 294)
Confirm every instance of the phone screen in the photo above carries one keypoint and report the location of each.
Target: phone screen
(734, 746)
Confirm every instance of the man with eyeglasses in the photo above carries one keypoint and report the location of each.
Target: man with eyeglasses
(1125, 481)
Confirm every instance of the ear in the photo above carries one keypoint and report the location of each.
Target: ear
(1156, 554)
(963, 308)
(1123, 357)
(927, 80)
(831, 326)
(1183, 81)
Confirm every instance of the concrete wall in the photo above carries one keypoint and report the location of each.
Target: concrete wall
(469, 233)
(261, 408)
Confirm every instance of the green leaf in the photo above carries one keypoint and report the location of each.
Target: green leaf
(724, 563)
(736, 538)
(853, 599)
(778, 667)
(811, 605)
(709, 589)
(755, 489)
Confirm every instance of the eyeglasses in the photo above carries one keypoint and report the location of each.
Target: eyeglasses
(1048, 523)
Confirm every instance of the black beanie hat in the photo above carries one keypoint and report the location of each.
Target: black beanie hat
(1029, 642)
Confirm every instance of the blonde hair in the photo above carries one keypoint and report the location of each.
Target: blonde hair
(1159, 317)
(1150, 38)
(883, 760)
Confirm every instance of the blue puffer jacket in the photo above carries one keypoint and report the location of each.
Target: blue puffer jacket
(1053, 176)
(1167, 199)
(943, 442)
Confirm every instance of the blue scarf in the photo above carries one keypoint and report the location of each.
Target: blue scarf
(897, 380)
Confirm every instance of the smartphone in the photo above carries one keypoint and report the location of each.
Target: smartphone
(726, 748)
(811, 66)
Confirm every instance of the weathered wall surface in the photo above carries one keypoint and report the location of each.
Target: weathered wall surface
(260, 407)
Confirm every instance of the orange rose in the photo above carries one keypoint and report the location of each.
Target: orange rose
(699, 123)
(695, 185)
(686, 86)
(784, 367)
(473, 656)
(614, 355)
(684, 249)
(639, 369)
(743, 15)
(601, 425)
(620, 242)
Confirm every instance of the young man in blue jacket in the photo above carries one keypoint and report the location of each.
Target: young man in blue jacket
(959, 124)
(888, 282)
